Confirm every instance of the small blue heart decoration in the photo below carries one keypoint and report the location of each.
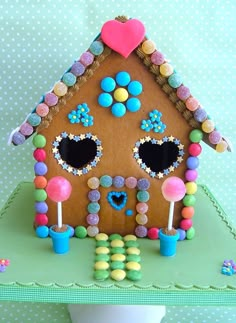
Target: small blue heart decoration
(117, 199)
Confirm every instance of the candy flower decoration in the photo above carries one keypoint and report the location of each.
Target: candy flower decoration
(59, 190)
(173, 190)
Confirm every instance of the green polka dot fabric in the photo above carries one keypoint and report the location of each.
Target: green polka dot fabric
(12, 312)
(41, 39)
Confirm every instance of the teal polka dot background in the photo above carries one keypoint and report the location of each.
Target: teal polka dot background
(41, 39)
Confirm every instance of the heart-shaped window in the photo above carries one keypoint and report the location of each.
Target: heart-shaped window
(77, 154)
(158, 157)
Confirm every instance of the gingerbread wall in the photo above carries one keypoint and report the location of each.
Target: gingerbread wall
(118, 137)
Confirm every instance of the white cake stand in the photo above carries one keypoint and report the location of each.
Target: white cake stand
(87, 313)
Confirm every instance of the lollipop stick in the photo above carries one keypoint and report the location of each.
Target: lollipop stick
(59, 214)
(171, 215)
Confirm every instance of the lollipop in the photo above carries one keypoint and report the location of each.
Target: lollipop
(173, 190)
(58, 190)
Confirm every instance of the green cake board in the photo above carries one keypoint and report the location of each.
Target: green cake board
(192, 277)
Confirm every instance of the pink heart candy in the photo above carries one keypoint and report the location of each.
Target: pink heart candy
(123, 37)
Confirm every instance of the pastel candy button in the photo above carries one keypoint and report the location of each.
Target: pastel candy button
(117, 243)
(208, 126)
(117, 265)
(39, 141)
(108, 84)
(118, 274)
(26, 129)
(92, 230)
(118, 110)
(148, 46)
(105, 100)
(129, 237)
(215, 137)
(60, 89)
(101, 265)
(133, 251)
(102, 243)
(96, 47)
(175, 80)
(132, 265)
(183, 92)
(86, 58)
(69, 79)
(102, 250)
(101, 274)
(77, 69)
(166, 69)
(157, 58)
(135, 88)
(200, 115)
(34, 119)
(133, 104)
(42, 109)
(131, 243)
(134, 275)
(123, 78)
(50, 99)
(18, 138)
(121, 95)
(118, 257)
(93, 182)
(192, 103)
(221, 146)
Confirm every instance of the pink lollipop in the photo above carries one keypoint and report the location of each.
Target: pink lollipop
(173, 190)
(58, 190)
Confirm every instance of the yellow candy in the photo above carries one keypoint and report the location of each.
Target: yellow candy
(117, 243)
(118, 257)
(141, 219)
(221, 146)
(191, 187)
(148, 46)
(166, 69)
(121, 94)
(60, 89)
(102, 250)
(101, 265)
(101, 236)
(132, 265)
(129, 237)
(133, 251)
(93, 183)
(118, 274)
(208, 126)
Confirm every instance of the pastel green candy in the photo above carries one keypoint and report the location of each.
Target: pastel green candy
(190, 234)
(117, 265)
(102, 257)
(117, 250)
(135, 258)
(196, 135)
(189, 200)
(143, 196)
(102, 243)
(40, 195)
(39, 141)
(131, 243)
(80, 232)
(101, 274)
(115, 236)
(134, 275)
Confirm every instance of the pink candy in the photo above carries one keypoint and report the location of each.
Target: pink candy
(58, 189)
(173, 189)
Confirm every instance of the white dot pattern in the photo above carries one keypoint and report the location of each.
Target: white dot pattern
(41, 39)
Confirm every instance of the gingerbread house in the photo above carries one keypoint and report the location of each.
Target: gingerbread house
(118, 122)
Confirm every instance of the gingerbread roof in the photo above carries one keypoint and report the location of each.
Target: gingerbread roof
(124, 36)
